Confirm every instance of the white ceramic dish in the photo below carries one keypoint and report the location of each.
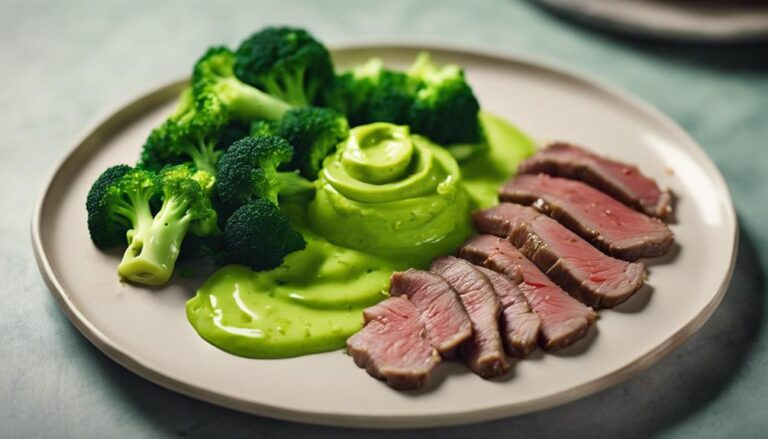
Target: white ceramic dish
(694, 21)
(146, 330)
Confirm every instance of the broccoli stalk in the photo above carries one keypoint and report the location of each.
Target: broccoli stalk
(217, 89)
(291, 184)
(248, 171)
(285, 62)
(152, 253)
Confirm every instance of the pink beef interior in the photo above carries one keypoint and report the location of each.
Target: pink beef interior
(446, 322)
(622, 181)
(484, 352)
(564, 320)
(392, 347)
(605, 222)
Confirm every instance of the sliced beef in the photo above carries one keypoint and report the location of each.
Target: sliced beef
(483, 352)
(520, 326)
(621, 181)
(603, 221)
(392, 345)
(592, 276)
(444, 317)
(564, 320)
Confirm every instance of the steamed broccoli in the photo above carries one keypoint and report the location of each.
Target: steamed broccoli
(216, 106)
(350, 92)
(189, 134)
(314, 133)
(371, 93)
(444, 107)
(248, 171)
(391, 99)
(285, 62)
(259, 236)
(435, 102)
(186, 206)
(216, 89)
(118, 205)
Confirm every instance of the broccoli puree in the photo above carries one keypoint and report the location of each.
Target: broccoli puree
(367, 220)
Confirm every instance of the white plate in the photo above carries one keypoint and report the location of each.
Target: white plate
(146, 330)
(684, 20)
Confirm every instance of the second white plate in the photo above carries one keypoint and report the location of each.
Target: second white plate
(721, 21)
(146, 330)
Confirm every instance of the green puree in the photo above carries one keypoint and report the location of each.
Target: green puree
(386, 201)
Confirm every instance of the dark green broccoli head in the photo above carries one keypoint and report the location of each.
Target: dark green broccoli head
(287, 63)
(444, 108)
(119, 202)
(259, 236)
(216, 89)
(350, 91)
(435, 102)
(248, 171)
(345, 95)
(314, 133)
(391, 98)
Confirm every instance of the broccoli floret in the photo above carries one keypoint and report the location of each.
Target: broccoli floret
(259, 236)
(152, 254)
(248, 171)
(346, 95)
(444, 108)
(216, 89)
(371, 93)
(350, 91)
(190, 134)
(202, 125)
(285, 62)
(314, 133)
(391, 99)
(261, 128)
(118, 205)
(435, 102)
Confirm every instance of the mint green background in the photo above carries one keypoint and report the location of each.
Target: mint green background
(62, 63)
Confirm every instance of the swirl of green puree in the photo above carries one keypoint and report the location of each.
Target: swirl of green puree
(388, 192)
(386, 201)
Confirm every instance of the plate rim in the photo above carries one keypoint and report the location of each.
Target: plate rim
(144, 369)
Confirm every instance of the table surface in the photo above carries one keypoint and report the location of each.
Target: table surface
(65, 63)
